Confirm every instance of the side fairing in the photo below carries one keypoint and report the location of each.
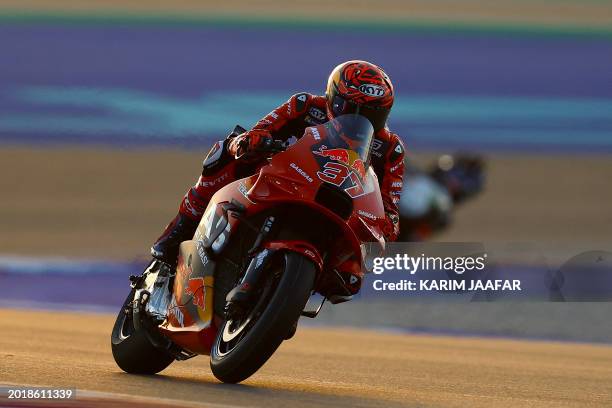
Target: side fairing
(191, 308)
(368, 214)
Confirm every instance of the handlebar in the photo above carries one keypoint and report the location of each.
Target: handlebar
(269, 147)
(273, 146)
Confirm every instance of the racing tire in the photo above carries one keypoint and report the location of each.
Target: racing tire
(278, 314)
(132, 350)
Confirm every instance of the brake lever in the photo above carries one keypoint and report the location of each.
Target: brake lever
(275, 146)
(279, 146)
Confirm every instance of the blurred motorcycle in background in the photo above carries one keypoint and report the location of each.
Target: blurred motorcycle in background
(430, 196)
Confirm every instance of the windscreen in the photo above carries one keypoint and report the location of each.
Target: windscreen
(348, 140)
(352, 131)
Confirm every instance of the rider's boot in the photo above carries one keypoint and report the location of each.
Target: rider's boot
(219, 169)
(180, 229)
(192, 207)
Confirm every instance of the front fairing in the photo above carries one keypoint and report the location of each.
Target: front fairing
(325, 155)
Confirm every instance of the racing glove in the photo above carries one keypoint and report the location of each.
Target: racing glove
(251, 144)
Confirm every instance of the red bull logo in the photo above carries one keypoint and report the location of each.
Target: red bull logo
(341, 155)
(183, 273)
(197, 290)
(346, 156)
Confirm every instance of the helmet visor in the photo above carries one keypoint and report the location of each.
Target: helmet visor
(341, 106)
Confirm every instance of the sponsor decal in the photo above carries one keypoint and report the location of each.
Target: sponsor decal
(397, 184)
(243, 190)
(309, 253)
(377, 146)
(213, 182)
(260, 258)
(317, 113)
(301, 172)
(341, 155)
(175, 311)
(367, 215)
(274, 115)
(398, 148)
(372, 90)
(184, 270)
(197, 290)
(202, 252)
(316, 134)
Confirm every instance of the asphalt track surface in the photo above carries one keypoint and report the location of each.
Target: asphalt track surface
(331, 367)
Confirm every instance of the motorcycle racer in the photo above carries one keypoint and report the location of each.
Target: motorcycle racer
(353, 87)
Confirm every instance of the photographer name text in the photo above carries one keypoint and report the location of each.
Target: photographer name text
(458, 265)
(449, 285)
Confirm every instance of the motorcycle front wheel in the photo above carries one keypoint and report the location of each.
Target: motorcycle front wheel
(244, 345)
(132, 350)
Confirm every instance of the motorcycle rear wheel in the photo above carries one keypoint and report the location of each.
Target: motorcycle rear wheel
(132, 350)
(241, 348)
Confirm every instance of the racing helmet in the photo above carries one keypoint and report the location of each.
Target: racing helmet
(360, 87)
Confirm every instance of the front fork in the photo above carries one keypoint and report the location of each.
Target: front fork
(241, 297)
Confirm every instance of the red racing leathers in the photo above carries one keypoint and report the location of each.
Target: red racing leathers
(289, 119)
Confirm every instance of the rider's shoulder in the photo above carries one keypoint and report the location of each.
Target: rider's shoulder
(389, 143)
(301, 101)
(388, 136)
